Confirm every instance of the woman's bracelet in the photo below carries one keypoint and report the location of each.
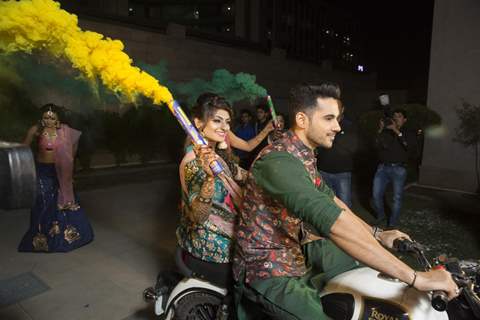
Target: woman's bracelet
(207, 190)
(204, 200)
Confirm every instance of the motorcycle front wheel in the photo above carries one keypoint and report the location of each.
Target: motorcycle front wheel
(197, 306)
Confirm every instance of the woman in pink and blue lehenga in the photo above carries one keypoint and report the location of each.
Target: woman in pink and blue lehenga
(57, 222)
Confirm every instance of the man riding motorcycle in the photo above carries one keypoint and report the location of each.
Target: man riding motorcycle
(294, 234)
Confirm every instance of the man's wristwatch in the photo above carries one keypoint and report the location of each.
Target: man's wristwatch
(376, 232)
(400, 134)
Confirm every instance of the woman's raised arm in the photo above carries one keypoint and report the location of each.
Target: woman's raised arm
(240, 144)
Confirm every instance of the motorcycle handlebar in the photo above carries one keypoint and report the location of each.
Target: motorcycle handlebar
(402, 245)
(439, 298)
(405, 246)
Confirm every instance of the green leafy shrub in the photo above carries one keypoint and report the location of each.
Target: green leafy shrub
(468, 131)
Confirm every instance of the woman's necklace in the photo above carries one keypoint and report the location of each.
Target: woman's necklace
(51, 137)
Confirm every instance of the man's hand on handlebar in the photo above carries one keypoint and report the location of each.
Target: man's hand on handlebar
(387, 238)
(437, 280)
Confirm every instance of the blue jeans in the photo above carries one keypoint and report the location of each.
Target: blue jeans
(386, 173)
(341, 184)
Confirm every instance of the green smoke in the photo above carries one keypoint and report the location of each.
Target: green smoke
(39, 75)
(233, 87)
(17, 111)
(29, 80)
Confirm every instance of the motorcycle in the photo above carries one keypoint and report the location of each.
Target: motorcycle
(188, 295)
(362, 293)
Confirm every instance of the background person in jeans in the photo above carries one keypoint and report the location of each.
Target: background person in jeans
(336, 164)
(395, 144)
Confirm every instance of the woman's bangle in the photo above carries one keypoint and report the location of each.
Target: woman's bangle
(414, 279)
(204, 200)
(207, 190)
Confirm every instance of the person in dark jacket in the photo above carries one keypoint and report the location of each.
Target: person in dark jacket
(246, 131)
(336, 164)
(395, 145)
(263, 118)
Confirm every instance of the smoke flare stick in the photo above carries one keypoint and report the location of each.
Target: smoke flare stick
(272, 110)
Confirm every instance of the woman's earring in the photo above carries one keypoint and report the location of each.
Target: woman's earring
(43, 123)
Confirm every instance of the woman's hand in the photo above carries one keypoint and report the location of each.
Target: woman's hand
(269, 127)
(277, 134)
(387, 238)
(241, 174)
(205, 156)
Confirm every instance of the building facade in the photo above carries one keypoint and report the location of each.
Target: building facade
(454, 77)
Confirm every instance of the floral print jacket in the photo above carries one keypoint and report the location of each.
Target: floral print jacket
(285, 205)
(211, 240)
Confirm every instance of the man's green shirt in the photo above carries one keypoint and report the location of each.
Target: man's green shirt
(284, 178)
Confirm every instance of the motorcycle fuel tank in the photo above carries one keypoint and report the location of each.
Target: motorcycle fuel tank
(379, 297)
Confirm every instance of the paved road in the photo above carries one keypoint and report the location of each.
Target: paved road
(134, 228)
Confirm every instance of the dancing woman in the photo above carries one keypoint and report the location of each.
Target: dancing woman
(57, 222)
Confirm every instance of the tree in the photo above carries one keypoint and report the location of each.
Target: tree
(468, 131)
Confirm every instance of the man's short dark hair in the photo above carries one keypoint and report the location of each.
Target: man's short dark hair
(246, 111)
(303, 98)
(402, 111)
(263, 107)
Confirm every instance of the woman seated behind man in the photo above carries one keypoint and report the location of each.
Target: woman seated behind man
(209, 202)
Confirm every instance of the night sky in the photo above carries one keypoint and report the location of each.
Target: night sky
(397, 36)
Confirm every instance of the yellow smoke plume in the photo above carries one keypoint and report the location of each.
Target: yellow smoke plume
(41, 25)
